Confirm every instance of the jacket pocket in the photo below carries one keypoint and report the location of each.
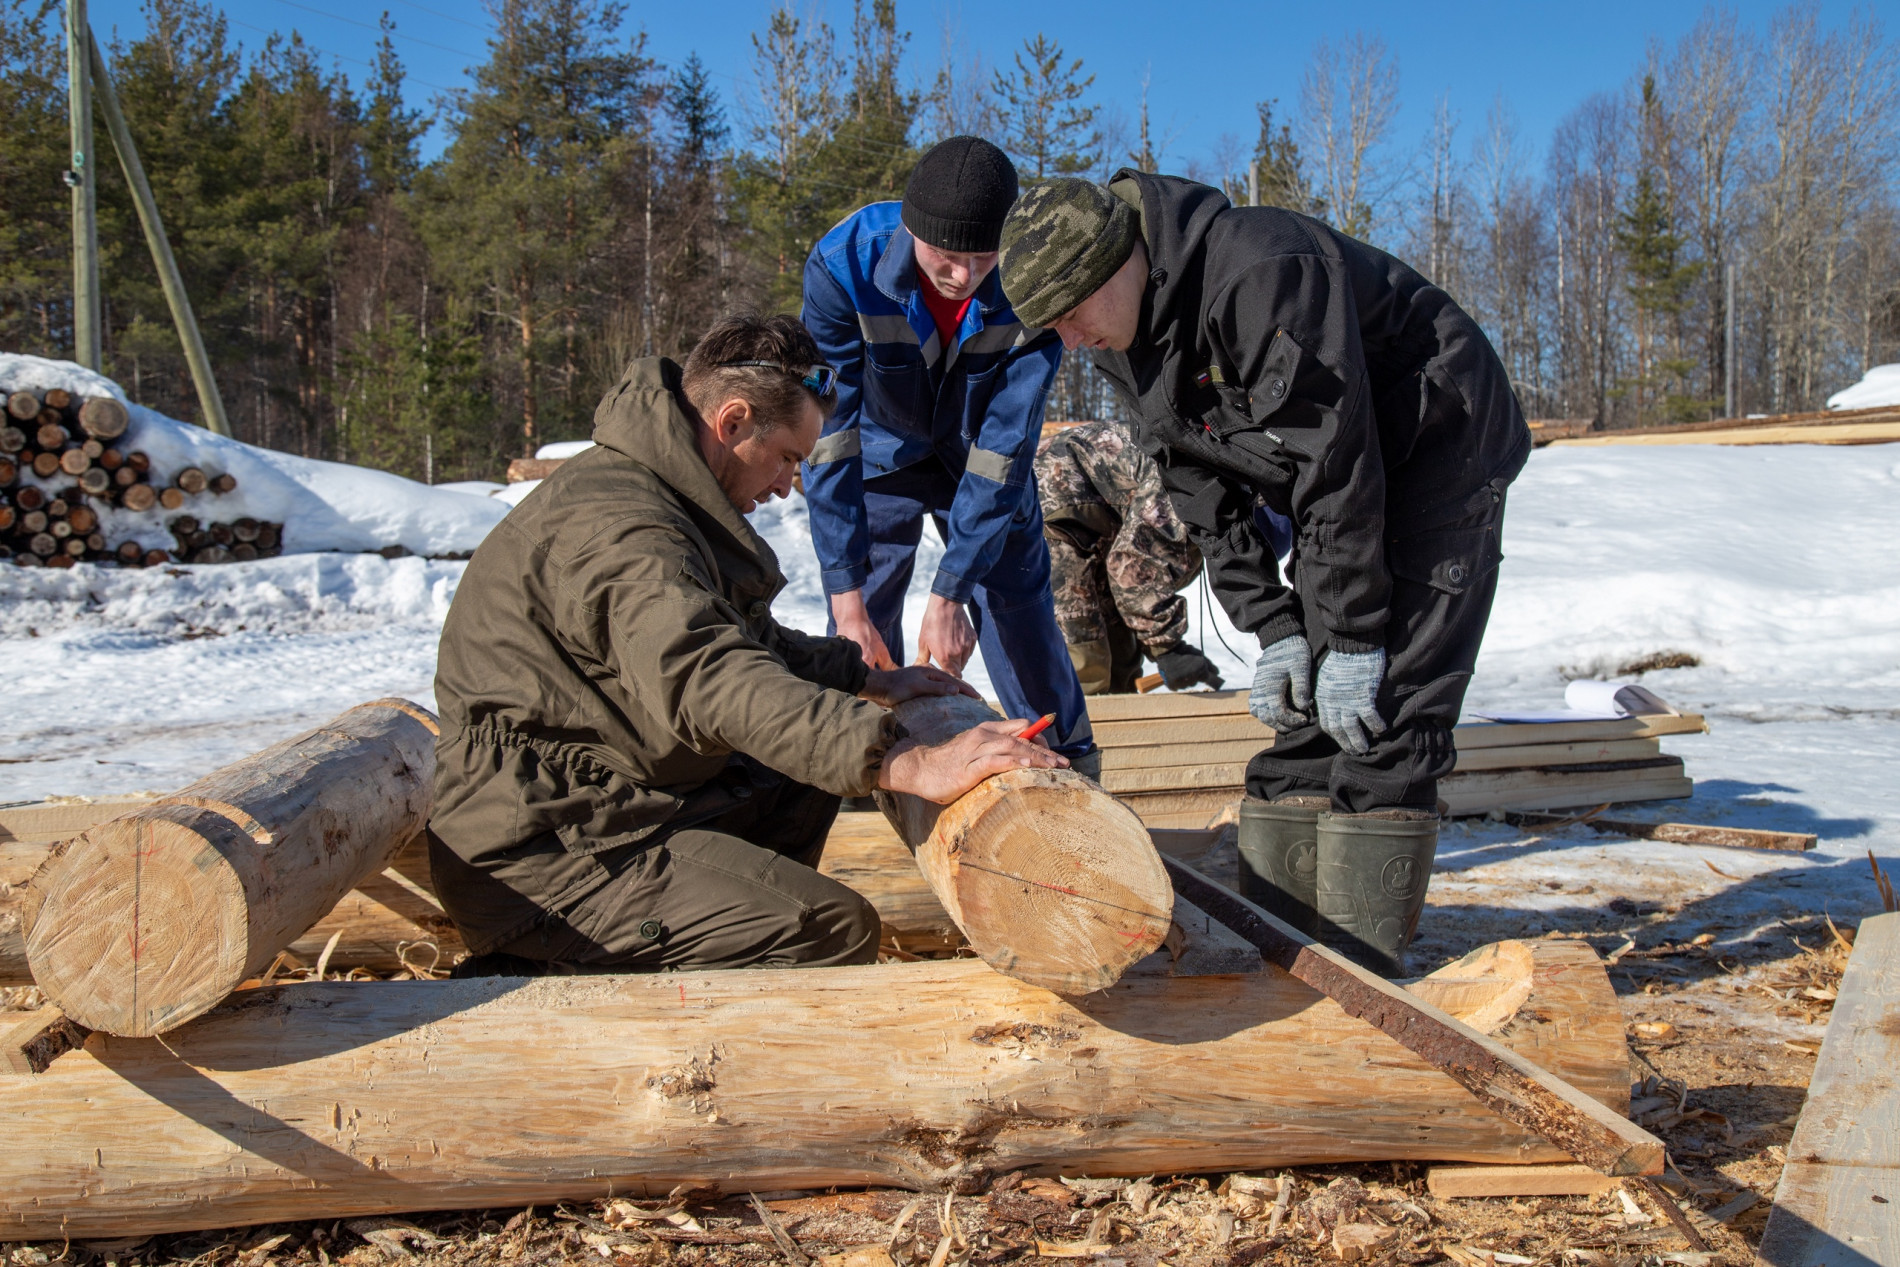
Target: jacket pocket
(1450, 560)
(1279, 375)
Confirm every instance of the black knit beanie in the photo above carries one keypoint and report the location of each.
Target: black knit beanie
(959, 194)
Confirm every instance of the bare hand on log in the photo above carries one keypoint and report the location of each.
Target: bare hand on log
(891, 687)
(945, 772)
(854, 622)
(946, 636)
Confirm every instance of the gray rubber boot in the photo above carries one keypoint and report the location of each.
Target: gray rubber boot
(1372, 876)
(1278, 857)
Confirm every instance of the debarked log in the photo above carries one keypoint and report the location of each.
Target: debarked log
(1049, 877)
(338, 1099)
(150, 919)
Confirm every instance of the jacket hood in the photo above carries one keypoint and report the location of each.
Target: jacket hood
(646, 418)
(1176, 215)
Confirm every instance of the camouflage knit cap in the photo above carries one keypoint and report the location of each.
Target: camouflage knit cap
(1062, 241)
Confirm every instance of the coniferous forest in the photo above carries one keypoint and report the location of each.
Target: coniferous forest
(591, 204)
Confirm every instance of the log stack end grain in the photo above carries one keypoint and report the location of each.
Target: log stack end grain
(59, 452)
(1049, 878)
(150, 919)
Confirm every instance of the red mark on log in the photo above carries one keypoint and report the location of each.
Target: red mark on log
(682, 994)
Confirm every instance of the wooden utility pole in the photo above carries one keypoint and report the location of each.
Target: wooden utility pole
(84, 185)
(210, 401)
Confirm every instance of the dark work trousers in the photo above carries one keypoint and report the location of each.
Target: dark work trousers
(1013, 610)
(1443, 581)
(736, 891)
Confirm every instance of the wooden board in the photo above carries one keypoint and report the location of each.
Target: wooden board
(1819, 433)
(1166, 706)
(1177, 778)
(333, 1100)
(1558, 1180)
(44, 822)
(1197, 767)
(1147, 756)
(1559, 787)
(1846, 1146)
(1199, 806)
(1551, 754)
(1223, 728)
(1108, 708)
(1473, 735)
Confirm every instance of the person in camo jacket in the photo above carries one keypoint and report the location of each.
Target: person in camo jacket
(1118, 557)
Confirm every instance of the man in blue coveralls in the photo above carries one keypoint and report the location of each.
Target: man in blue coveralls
(940, 399)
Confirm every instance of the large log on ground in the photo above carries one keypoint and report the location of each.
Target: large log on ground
(325, 1101)
(151, 919)
(1051, 879)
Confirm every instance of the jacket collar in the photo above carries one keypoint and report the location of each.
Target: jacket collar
(896, 271)
(646, 418)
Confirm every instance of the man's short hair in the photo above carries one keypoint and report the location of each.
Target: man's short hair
(773, 390)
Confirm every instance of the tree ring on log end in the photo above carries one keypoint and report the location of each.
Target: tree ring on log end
(1046, 854)
(151, 930)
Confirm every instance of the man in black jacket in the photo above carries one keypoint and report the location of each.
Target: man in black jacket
(1271, 362)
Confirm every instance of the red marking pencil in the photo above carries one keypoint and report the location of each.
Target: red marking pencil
(1037, 727)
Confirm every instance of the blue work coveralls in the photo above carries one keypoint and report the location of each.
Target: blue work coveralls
(921, 429)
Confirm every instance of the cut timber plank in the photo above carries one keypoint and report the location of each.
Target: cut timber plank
(1134, 769)
(1557, 787)
(1846, 1147)
(521, 470)
(1837, 433)
(1541, 755)
(1516, 1181)
(1677, 833)
(1176, 778)
(1150, 755)
(1198, 806)
(43, 822)
(1170, 730)
(1497, 1077)
(335, 1100)
(1473, 735)
(1110, 708)
(31, 1044)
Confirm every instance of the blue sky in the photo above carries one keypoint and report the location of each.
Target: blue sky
(1207, 63)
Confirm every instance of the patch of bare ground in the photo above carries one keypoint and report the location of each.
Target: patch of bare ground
(1722, 1044)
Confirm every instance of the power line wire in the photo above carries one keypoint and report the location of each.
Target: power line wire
(342, 57)
(395, 34)
(447, 17)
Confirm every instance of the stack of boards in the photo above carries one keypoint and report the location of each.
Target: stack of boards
(1180, 759)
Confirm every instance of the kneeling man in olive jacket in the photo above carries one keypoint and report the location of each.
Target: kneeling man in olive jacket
(638, 765)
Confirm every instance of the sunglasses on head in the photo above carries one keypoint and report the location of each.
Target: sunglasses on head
(821, 380)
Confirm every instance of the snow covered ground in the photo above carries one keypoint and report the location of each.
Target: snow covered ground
(1879, 386)
(1774, 567)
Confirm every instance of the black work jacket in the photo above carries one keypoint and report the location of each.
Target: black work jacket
(1283, 364)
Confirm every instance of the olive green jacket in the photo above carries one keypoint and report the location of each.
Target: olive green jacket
(609, 650)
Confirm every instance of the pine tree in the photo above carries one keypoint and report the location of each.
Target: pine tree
(1046, 126)
(1282, 170)
(1659, 286)
(520, 206)
(35, 229)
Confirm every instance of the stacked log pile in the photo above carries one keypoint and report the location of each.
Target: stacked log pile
(1179, 759)
(63, 460)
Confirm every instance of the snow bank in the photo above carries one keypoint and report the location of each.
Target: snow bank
(563, 449)
(294, 594)
(1880, 386)
(322, 505)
